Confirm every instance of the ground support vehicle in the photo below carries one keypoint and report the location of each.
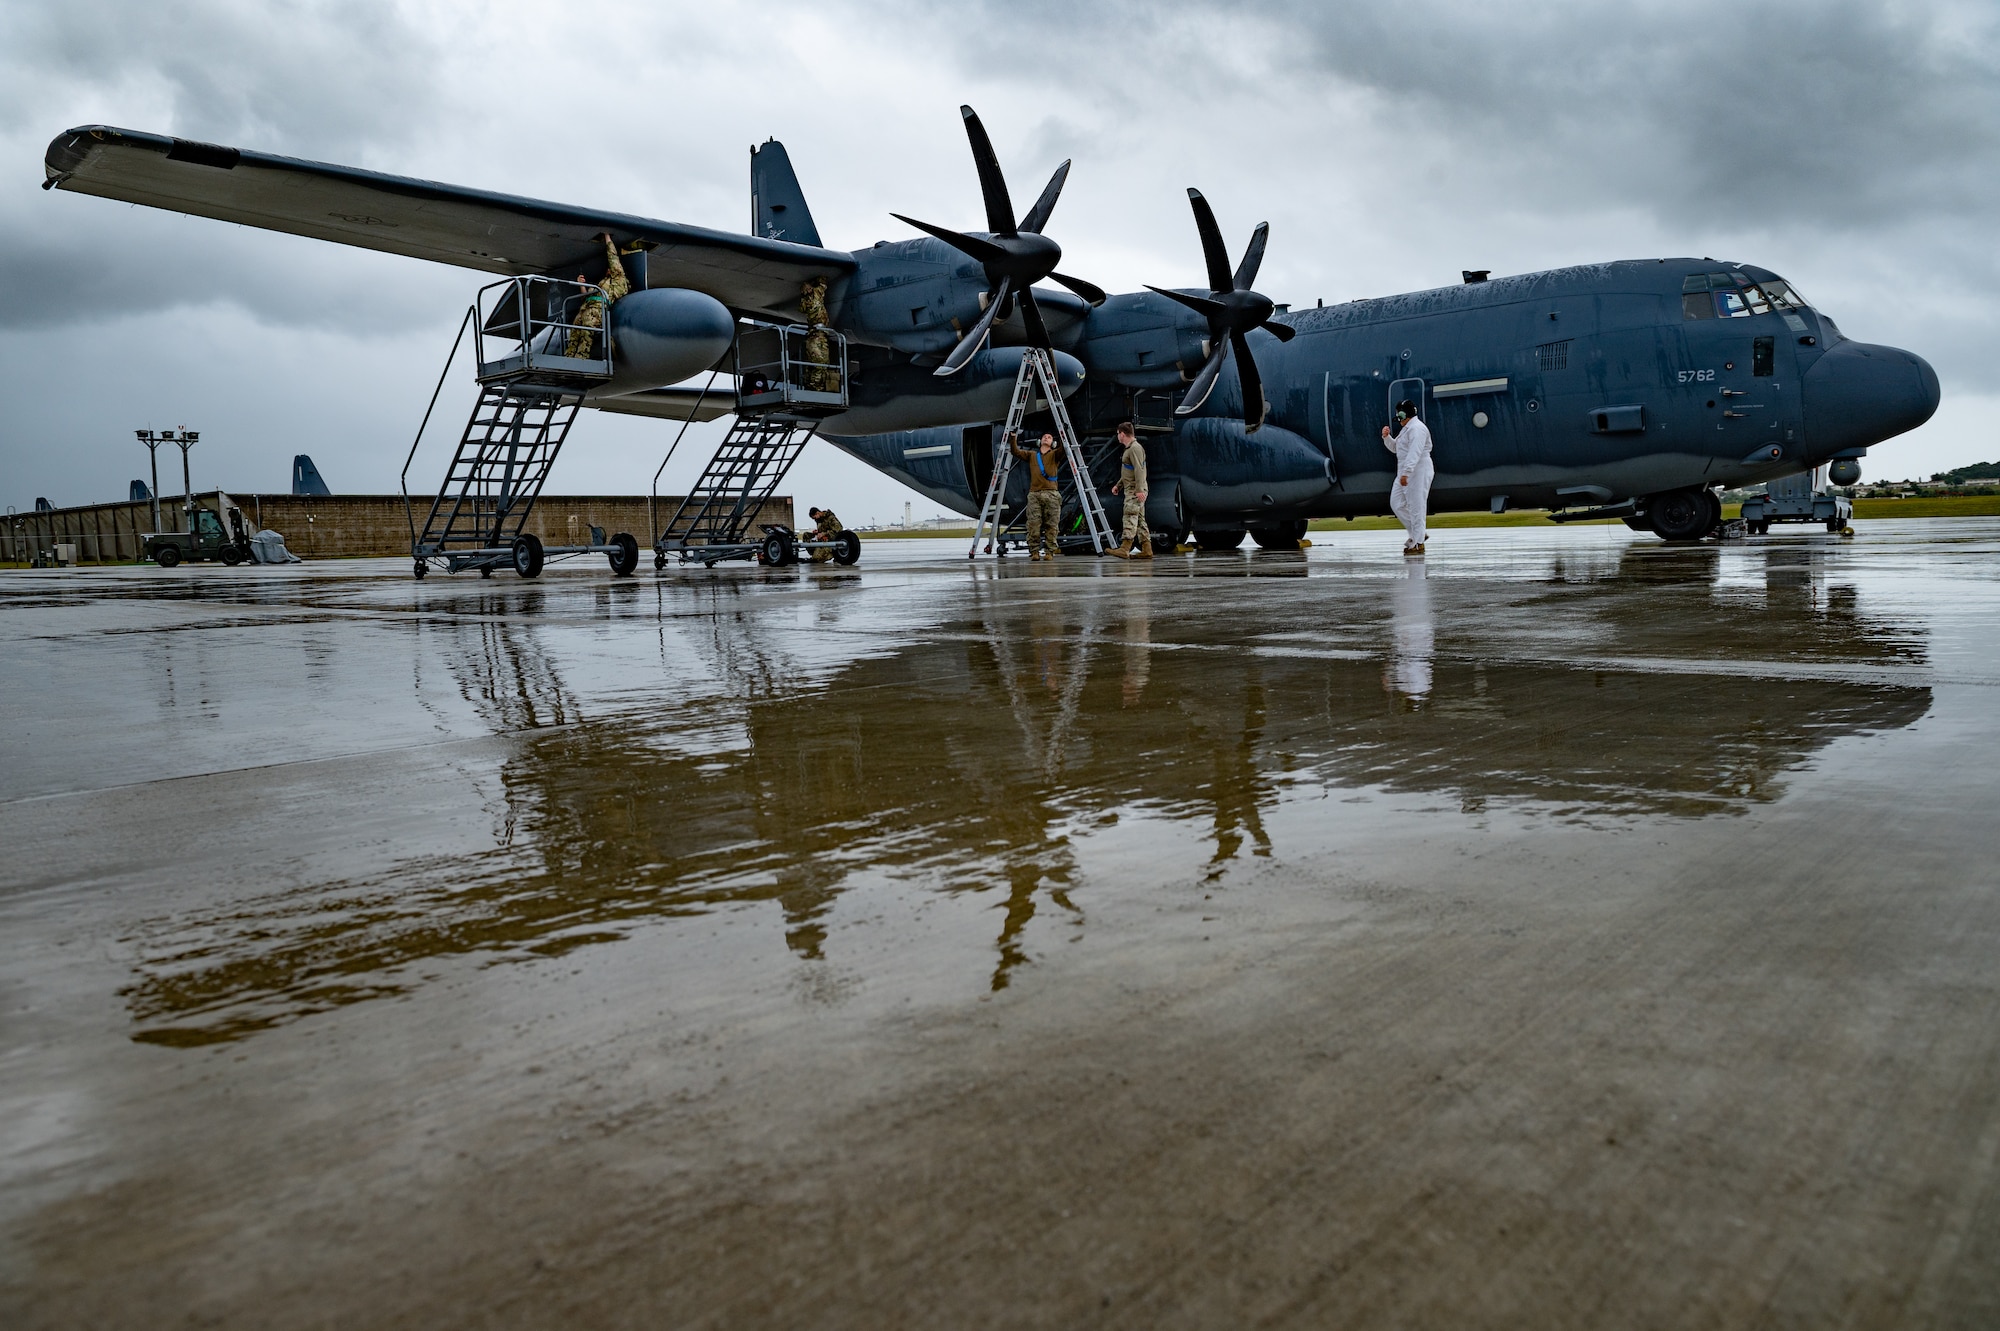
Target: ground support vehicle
(219, 533)
(1799, 498)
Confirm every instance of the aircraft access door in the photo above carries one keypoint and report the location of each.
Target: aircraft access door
(1412, 389)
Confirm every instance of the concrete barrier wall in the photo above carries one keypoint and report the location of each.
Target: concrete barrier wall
(324, 526)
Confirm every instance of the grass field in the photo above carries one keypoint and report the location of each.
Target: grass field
(1946, 506)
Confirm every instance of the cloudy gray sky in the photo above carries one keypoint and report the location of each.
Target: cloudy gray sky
(1853, 147)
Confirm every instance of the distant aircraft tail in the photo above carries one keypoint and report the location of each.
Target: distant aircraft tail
(140, 494)
(306, 478)
(777, 205)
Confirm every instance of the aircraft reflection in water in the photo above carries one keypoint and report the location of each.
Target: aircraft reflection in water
(1040, 719)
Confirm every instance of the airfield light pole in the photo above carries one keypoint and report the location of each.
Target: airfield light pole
(186, 439)
(152, 442)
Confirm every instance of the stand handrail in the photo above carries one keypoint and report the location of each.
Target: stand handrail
(653, 496)
(403, 480)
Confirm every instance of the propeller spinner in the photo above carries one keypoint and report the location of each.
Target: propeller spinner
(1232, 310)
(1014, 255)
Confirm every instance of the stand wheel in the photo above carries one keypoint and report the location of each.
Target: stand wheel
(659, 561)
(486, 570)
(422, 567)
(624, 556)
(776, 551)
(847, 548)
(528, 555)
(167, 556)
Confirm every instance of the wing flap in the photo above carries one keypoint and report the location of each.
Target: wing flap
(493, 233)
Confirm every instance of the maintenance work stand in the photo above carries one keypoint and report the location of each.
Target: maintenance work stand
(789, 378)
(1800, 498)
(1001, 529)
(545, 359)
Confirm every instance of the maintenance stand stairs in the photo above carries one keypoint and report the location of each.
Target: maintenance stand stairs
(1037, 375)
(529, 397)
(789, 378)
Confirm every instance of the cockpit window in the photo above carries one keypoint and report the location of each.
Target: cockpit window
(1734, 296)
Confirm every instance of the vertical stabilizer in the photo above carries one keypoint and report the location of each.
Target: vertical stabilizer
(777, 205)
(140, 494)
(306, 478)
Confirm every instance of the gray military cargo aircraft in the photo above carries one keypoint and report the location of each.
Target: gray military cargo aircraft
(1633, 389)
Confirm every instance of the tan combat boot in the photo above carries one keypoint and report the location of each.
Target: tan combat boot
(1145, 544)
(1120, 551)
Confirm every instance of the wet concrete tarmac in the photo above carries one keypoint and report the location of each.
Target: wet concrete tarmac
(1567, 931)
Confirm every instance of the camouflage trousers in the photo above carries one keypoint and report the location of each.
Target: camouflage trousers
(1135, 519)
(581, 339)
(1044, 520)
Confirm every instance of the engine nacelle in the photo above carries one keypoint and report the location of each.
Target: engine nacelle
(889, 398)
(1144, 341)
(663, 336)
(1844, 471)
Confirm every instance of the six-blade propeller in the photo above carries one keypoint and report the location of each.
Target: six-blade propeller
(1014, 255)
(1232, 310)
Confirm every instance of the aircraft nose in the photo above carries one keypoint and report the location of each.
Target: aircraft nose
(1859, 394)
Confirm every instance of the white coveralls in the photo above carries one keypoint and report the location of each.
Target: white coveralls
(1412, 448)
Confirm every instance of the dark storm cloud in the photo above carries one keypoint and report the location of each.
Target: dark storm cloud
(1838, 114)
(341, 81)
(314, 78)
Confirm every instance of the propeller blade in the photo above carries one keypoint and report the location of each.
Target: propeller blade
(999, 208)
(1212, 248)
(1090, 291)
(1253, 257)
(1252, 381)
(1038, 216)
(1283, 332)
(1204, 380)
(983, 250)
(1202, 305)
(1031, 315)
(968, 346)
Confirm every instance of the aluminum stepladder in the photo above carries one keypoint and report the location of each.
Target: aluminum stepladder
(1038, 374)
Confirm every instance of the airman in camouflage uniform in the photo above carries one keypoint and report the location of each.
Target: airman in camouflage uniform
(1044, 495)
(819, 348)
(826, 526)
(582, 343)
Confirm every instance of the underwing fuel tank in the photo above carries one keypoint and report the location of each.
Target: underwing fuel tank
(665, 335)
(888, 398)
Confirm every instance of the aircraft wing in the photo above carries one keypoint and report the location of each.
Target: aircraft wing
(670, 404)
(494, 233)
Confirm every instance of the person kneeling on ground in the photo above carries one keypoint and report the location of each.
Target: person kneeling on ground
(1137, 542)
(1044, 496)
(826, 526)
(1410, 496)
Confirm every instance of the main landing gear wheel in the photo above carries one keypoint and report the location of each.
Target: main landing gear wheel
(626, 557)
(528, 555)
(1279, 536)
(847, 548)
(1682, 515)
(1220, 540)
(167, 556)
(776, 551)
